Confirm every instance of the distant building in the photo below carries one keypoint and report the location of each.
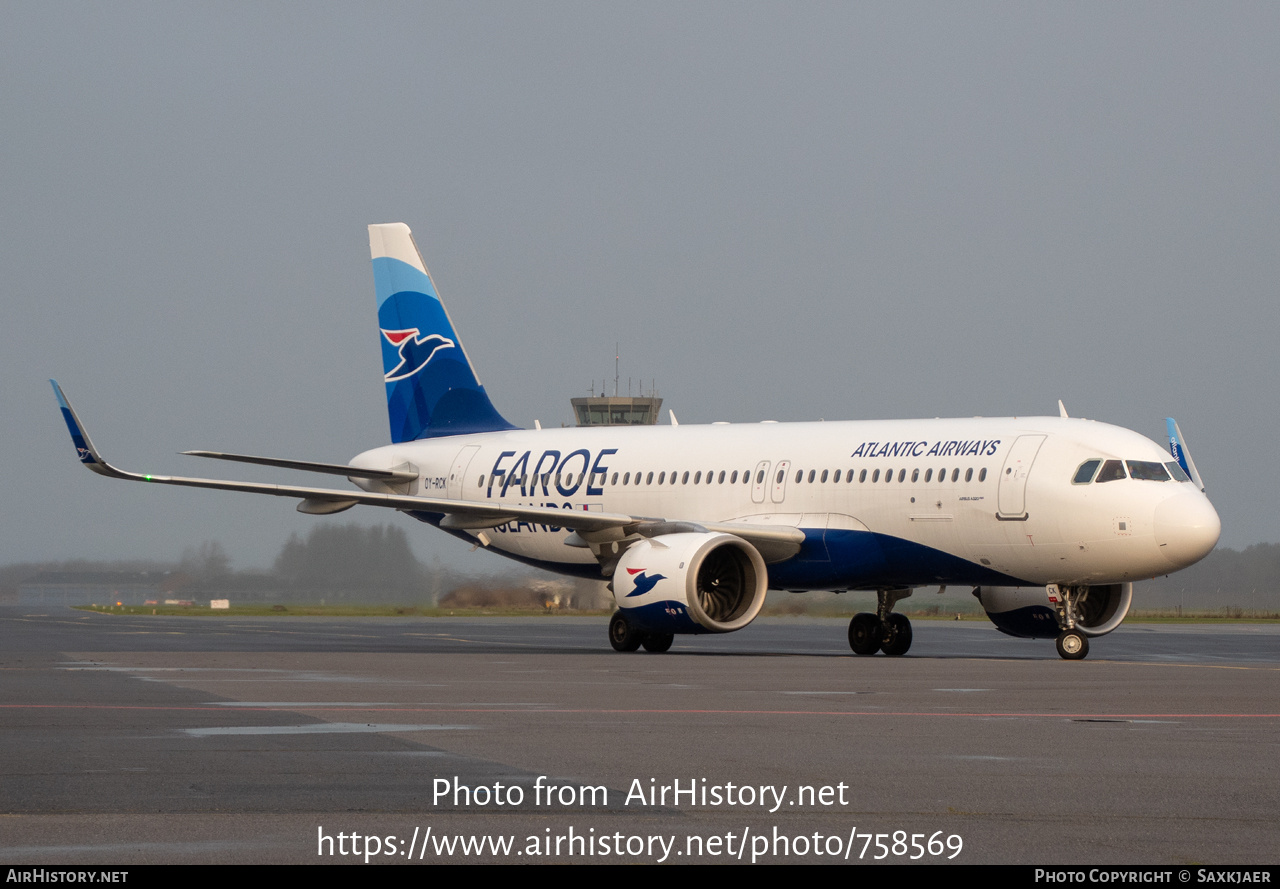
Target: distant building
(53, 588)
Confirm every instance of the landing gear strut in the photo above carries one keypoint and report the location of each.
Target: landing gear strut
(1073, 644)
(886, 630)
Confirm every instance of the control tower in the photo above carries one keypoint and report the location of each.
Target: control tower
(617, 409)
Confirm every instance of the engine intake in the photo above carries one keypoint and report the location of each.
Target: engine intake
(691, 582)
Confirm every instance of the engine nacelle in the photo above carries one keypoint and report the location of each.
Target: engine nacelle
(1027, 612)
(690, 582)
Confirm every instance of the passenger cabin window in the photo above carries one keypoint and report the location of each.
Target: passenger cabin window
(1111, 471)
(1084, 474)
(968, 474)
(982, 476)
(1148, 471)
(928, 475)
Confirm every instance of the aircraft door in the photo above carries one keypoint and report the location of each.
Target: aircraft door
(1012, 497)
(459, 470)
(780, 481)
(761, 480)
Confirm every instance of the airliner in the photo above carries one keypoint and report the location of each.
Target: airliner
(1049, 520)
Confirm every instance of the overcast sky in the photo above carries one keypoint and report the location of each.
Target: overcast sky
(781, 211)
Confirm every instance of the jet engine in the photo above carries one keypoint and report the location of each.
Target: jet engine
(1030, 613)
(689, 582)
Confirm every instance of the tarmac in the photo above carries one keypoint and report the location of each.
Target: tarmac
(527, 740)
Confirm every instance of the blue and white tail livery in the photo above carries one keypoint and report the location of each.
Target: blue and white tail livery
(432, 389)
(1048, 519)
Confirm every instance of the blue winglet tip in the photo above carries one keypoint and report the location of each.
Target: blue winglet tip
(83, 451)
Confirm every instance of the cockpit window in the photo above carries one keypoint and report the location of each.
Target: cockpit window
(1084, 474)
(1112, 470)
(1145, 470)
(1176, 470)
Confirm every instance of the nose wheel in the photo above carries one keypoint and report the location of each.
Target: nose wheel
(1073, 645)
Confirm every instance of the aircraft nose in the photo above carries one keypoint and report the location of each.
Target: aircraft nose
(1186, 528)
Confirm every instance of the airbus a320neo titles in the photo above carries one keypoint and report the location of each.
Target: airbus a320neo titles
(1049, 519)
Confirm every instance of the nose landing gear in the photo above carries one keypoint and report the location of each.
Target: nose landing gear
(1073, 644)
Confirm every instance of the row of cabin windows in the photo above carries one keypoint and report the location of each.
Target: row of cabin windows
(888, 475)
(568, 480)
(1142, 470)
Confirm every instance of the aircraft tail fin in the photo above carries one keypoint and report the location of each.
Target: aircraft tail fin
(432, 389)
(1178, 448)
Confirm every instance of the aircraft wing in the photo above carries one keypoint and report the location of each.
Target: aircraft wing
(458, 514)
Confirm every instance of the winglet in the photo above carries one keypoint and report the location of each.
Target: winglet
(85, 450)
(1178, 448)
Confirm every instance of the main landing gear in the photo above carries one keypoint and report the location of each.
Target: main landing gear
(623, 636)
(886, 630)
(1073, 644)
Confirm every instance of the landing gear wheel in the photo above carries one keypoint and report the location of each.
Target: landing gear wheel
(1073, 645)
(623, 636)
(864, 633)
(658, 642)
(897, 635)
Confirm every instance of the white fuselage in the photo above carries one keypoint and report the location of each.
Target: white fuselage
(957, 500)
